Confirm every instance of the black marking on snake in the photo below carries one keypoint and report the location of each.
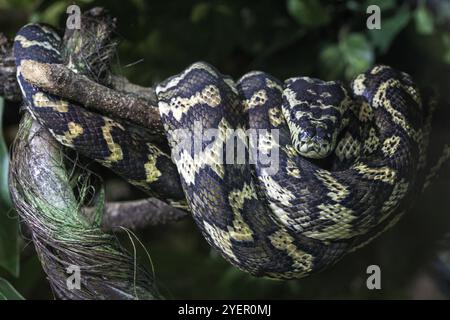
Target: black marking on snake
(289, 224)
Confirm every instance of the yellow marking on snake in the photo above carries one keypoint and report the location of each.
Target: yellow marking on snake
(74, 131)
(292, 169)
(317, 217)
(380, 100)
(276, 117)
(299, 223)
(116, 153)
(152, 172)
(342, 227)
(302, 261)
(276, 192)
(390, 146)
(365, 112)
(384, 174)
(240, 230)
(41, 100)
(211, 156)
(259, 98)
(358, 84)
(178, 106)
(46, 30)
(25, 43)
(348, 148)
(291, 96)
(290, 151)
(372, 142)
(337, 191)
(273, 85)
(49, 31)
(295, 131)
(377, 69)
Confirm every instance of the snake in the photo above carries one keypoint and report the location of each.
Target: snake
(283, 178)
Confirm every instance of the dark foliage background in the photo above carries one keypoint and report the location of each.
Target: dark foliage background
(285, 38)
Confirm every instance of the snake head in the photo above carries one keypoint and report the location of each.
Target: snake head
(316, 112)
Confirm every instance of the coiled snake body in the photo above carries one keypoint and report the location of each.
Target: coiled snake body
(283, 220)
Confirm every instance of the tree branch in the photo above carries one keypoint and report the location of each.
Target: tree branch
(129, 101)
(61, 81)
(9, 88)
(136, 214)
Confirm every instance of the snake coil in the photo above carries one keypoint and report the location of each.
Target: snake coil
(283, 222)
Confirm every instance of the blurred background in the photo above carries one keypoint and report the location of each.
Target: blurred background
(324, 39)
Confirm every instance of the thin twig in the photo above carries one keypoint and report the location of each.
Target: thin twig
(136, 214)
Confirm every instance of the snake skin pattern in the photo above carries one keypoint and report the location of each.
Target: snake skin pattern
(285, 223)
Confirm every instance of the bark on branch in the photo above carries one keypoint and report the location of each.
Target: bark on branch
(137, 214)
(61, 81)
(9, 88)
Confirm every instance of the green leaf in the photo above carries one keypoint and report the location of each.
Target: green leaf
(390, 28)
(351, 56)
(4, 160)
(358, 54)
(424, 20)
(309, 13)
(332, 64)
(7, 291)
(18, 4)
(9, 225)
(200, 11)
(53, 13)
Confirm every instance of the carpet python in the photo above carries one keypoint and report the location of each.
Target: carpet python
(348, 157)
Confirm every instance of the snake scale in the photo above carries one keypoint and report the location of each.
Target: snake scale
(347, 158)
